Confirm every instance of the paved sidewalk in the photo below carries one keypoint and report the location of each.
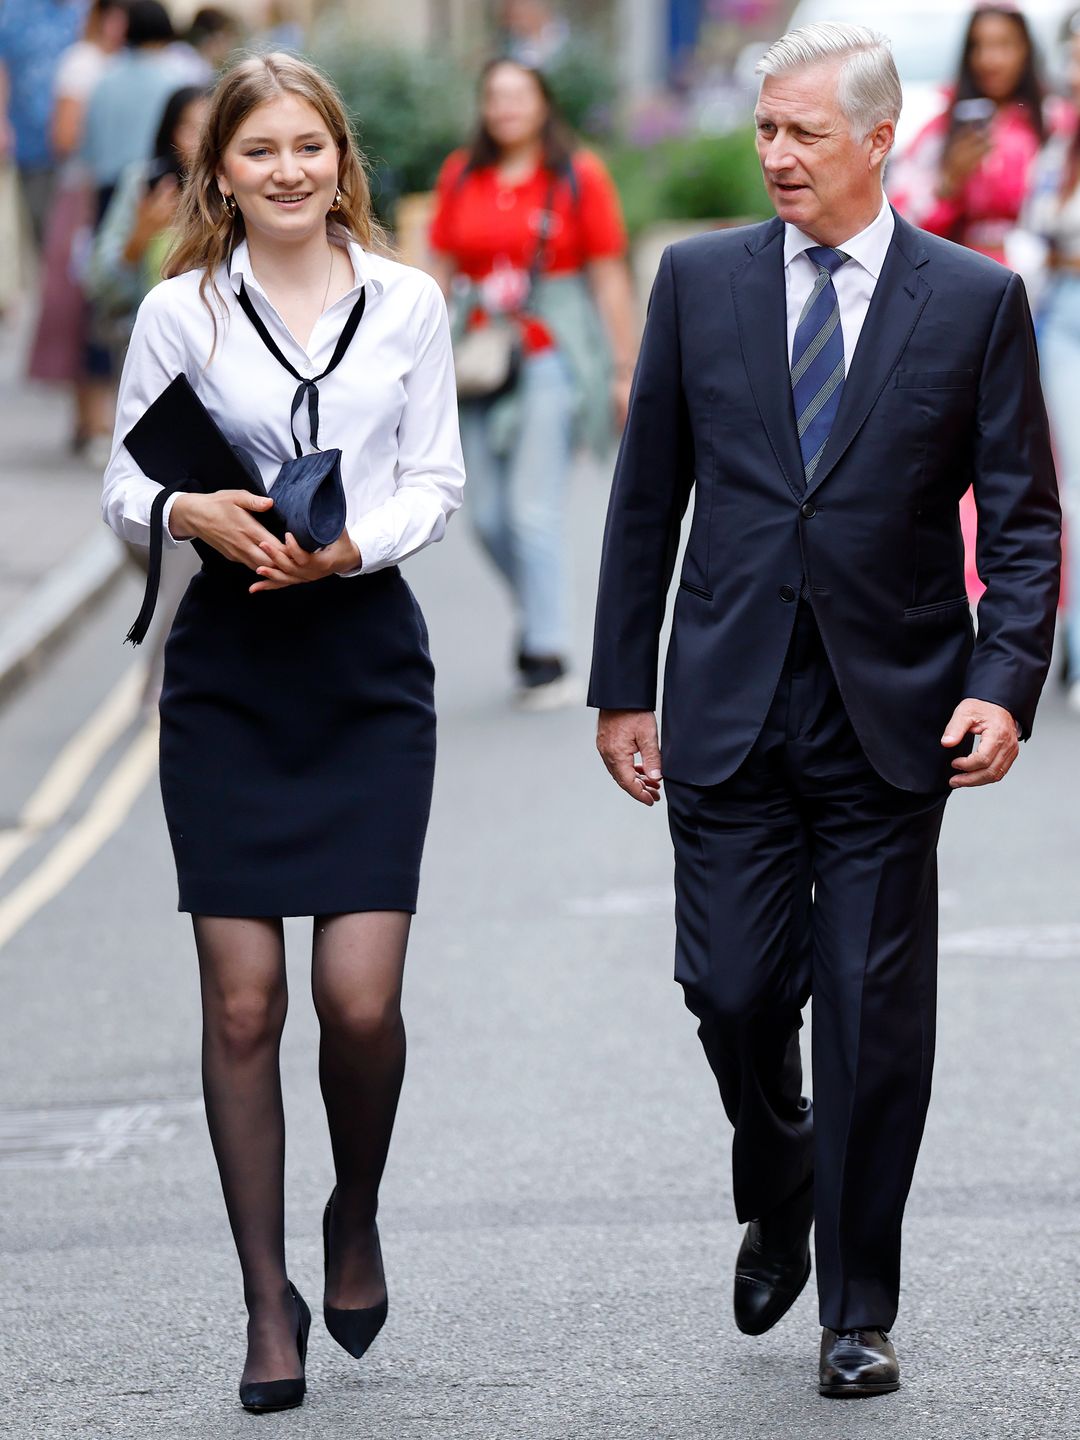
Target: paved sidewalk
(55, 555)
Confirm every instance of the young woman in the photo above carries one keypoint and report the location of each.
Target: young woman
(1053, 213)
(527, 227)
(297, 725)
(966, 174)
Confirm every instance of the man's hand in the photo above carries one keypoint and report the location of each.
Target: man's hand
(288, 564)
(998, 743)
(620, 736)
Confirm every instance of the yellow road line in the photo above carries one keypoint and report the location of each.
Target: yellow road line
(107, 812)
(72, 768)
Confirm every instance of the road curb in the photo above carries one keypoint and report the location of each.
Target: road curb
(55, 606)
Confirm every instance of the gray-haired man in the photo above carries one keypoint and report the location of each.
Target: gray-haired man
(828, 384)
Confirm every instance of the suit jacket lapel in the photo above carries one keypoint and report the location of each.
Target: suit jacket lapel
(760, 297)
(898, 301)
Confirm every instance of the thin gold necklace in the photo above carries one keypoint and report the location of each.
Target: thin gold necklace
(329, 277)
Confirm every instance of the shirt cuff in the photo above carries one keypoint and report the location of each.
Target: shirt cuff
(376, 549)
(169, 539)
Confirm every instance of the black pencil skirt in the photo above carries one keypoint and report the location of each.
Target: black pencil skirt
(297, 745)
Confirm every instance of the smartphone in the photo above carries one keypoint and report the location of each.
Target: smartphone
(976, 113)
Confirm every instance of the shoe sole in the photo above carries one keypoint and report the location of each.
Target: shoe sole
(857, 1392)
(764, 1329)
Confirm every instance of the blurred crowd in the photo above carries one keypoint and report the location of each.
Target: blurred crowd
(101, 103)
(998, 170)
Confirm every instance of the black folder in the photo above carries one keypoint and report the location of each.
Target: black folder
(178, 443)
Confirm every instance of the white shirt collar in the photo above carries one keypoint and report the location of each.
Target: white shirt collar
(240, 269)
(868, 248)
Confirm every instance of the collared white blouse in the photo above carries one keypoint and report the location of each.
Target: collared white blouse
(390, 406)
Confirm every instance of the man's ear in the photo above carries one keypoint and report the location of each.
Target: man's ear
(882, 139)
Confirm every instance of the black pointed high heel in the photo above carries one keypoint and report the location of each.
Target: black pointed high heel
(354, 1330)
(260, 1395)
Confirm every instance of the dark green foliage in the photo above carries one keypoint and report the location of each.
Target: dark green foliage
(697, 177)
(582, 80)
(410, 109)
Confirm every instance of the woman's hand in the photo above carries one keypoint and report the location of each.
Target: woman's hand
(620, 397)
(156, 212)
(288, 564)
(614, 295)
(227, 520)
(962, 159)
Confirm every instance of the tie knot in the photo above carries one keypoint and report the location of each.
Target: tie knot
(827, 259)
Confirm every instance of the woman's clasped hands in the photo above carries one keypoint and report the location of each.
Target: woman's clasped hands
(228, 520)
(288, 564)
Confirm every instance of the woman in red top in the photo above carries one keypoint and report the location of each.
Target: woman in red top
(521, 199)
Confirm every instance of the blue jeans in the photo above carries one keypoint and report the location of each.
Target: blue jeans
(517, 498)
(1059, 352)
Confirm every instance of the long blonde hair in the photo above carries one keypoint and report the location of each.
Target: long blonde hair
(206, 234)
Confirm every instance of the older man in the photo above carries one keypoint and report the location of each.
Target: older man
(828, 384)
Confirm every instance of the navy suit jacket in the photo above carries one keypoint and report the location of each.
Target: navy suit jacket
(942, 392)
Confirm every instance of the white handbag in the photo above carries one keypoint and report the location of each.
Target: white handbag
(487, 359)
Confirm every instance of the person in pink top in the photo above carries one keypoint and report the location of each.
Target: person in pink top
(965, 175)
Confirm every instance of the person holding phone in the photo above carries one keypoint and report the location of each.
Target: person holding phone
(1052, 214)
(965, 176)
(297, 711)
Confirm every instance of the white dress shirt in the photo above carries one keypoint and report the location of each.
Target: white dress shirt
(854, 282)
(390, 406)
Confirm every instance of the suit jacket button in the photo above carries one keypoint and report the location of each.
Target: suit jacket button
(808, 511)
(787, 594)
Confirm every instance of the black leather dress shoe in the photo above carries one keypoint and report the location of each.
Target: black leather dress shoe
(857, 1362)
(773, 1264)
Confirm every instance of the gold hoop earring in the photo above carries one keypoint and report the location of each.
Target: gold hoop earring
(337, 202)
(229, 203)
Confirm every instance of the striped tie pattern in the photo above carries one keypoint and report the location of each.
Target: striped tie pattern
(817, 360)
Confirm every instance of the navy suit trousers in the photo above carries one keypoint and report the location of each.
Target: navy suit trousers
(804, 874)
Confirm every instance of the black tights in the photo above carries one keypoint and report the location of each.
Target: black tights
(356, 971)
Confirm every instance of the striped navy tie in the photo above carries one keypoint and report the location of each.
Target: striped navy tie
(817, 360)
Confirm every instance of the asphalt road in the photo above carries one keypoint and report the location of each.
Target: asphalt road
(556, 1215)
